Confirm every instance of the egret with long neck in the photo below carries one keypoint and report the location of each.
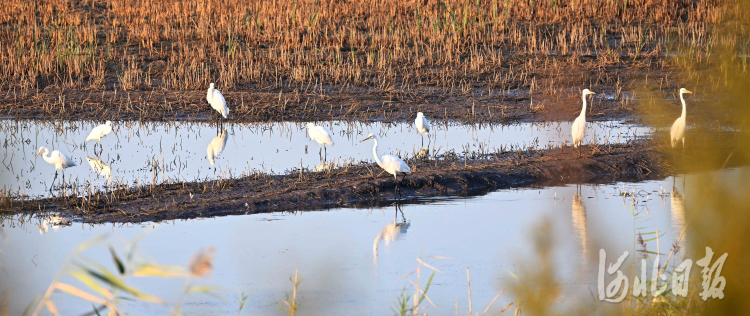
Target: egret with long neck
(389, 163)
(677, 133)
(579, 125)
(60, 159)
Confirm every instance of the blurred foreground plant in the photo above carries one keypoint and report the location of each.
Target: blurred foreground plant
(111, 287)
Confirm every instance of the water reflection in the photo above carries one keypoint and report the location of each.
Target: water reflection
(423, 153)
(157, 152)
(53, 221)
(390, 232)
(332, 249)
(100, 167)
(579, 222)
(216, 146)
(324, 166)
(677, 204)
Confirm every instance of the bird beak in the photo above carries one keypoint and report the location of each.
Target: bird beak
(39, 153)
(366, 138)
(688, 91)
(592, 92)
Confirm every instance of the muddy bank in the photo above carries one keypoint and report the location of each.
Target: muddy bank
(279, 105)
(296, 105)
(362, 185)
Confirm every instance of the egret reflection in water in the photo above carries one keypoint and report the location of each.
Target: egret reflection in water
(677, 203)
(423, 153)
(579, 222)
(216, 146)
(390, 232)
(324, 166)
(100, 167)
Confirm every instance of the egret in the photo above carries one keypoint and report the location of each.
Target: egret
(677, 133)
(423, 126)
(319, 135)
(216, 100)
(389, 163)
(579, 125)
(59, 159)
(216, 146)
(99, 132)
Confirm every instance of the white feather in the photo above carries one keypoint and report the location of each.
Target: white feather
(100, 131)
(422, 124)
(217, 101)
(60, 159)
(319, 134)
(390, 164)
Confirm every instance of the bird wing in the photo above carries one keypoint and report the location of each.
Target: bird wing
(395, 164)
(423, 125)
(219, 103)
(578, 129)
(98, 132)
(321, 135)
(678, 129)
(62, 158)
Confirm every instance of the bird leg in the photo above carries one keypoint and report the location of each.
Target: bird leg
(420, 134)
(399, 208)
(53, 182)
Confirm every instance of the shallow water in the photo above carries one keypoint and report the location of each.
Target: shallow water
(355, 259)
(144, 153)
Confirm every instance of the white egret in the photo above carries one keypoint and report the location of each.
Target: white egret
(217, 101)
(389, 163)
(579, 125)
(59, 159)
(319, 135)
(677, 133)
(423, 126)
(99, 132)
(216, 146)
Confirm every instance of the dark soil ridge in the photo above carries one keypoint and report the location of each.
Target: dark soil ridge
(286, 105)
(363, 185)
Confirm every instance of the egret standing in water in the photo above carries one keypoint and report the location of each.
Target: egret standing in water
(99, 132)
(423, 126)
(319, 135)
(579, 125)
(216, 100)
(389, 163)
(677, 133)
(59, 159)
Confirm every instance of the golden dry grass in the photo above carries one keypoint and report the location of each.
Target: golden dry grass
(387, 45)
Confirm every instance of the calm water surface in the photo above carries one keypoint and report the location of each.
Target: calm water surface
(144, 153)
(355, 259)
